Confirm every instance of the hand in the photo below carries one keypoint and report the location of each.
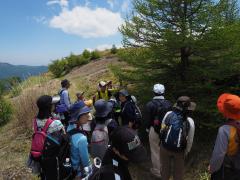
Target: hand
(130, 124)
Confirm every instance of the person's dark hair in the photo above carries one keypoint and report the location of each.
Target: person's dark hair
(44, 104)
(64, 83)
(100, 120)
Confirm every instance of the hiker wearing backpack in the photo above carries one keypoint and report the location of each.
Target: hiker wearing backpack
(225, 160)
(80, 161)
(65, 102)
(100, 140)
(46, 140)
(177, 132)
(128, 113)
(125, 147)
(155, 111)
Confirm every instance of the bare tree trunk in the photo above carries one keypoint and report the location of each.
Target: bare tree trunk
(185, 53)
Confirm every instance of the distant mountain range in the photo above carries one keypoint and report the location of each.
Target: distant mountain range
(22, 71)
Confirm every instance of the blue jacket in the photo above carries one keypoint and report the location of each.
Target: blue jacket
(79, 151)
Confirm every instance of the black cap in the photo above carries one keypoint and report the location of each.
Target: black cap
(127, 142)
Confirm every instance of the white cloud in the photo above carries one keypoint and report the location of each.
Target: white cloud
(107, 46)
(125, 5)
(62, 3)
(40, 19)
(111, 3)
(103, 47)
(87, 23)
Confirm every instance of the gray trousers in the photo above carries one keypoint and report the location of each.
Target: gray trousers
(171, 159)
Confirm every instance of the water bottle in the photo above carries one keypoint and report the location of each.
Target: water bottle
(67, 165)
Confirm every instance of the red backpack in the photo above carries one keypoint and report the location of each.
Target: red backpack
(38, 139)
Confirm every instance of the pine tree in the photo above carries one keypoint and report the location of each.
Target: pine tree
(175, 31)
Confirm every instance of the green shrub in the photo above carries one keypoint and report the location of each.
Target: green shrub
(95, 55)
(86, 54)
(72, 61)
(5, 111)
(114, 49)
(58, 67)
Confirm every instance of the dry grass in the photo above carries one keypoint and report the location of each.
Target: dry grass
(16, 136)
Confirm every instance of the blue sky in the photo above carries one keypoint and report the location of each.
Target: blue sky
(34, 32)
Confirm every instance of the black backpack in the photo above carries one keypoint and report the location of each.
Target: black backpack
(97, 172)
(162, 107)
(138, 121)
(61, 150)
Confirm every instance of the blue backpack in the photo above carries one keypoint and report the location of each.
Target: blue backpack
(174, 134)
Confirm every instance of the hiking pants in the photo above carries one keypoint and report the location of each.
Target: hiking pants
(226, 174)
(177, 159)
(155, 151)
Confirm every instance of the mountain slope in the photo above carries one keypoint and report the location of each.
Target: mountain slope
(9, 70)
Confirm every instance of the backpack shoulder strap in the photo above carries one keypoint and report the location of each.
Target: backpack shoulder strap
(235, 124)
(61, 91)
(99, 95)
(166, 117)
(35, 125)
(47, 124)
(157, 104)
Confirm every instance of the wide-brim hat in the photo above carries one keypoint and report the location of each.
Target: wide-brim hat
(103, 108)
(80, 93)
(127, 142)
(102, 83)
(185, 102)
(124, 92)
(77, 114)
(229, 106)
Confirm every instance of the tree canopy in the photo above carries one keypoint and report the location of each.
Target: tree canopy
(178, 31)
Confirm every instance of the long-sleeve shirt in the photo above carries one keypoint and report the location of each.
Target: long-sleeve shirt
(79, 150)
(219, 155)
(64, 98)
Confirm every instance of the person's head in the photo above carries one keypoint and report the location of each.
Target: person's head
(229, 106)
(65, 83)
(102, 85)
(103, 109)
(45, 106)
(123, 95)
(184, 104)
(79, 113)
(80, 96)
(158, 90)
(126, 144)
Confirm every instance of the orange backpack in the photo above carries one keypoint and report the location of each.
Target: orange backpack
(234, 137)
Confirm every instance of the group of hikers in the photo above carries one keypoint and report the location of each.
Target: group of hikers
(96, 139)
